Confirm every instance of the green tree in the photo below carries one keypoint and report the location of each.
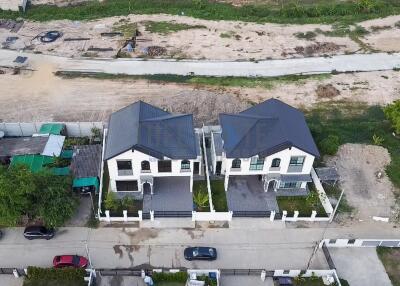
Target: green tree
(56, 202)
(392, 112)
(200, 197)
(112, 202)
(17, 189)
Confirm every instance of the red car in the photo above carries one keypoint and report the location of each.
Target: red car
(75, 261)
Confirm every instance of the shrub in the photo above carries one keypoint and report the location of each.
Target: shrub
(377, 140)
(111, 202)
(170, 277)
(329, 145)
(52, 276)
(392, 112)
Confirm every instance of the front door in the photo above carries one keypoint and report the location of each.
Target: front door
(146, 189)
(271, 186)
(218, 168)
(196, 168)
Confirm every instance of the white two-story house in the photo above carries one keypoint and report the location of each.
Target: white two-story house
(270, 140)
(144, 143)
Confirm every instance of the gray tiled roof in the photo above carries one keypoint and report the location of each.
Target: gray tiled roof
(151, 130)
(264, 129)
(86, 161)
(22, 146)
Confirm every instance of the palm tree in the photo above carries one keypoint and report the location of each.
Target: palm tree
(200, 198)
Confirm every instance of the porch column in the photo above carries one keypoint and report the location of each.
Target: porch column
(226, 182)
(151, 188)
(191, 183)
(140, 185)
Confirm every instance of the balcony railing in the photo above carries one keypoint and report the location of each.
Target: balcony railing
(145, 171)
(274, 169)
(125, 172)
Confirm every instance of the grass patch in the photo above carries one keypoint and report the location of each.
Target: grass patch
(219, 196)
(165, 28)
(357, 123)
(201, 201)
(335, 191)
(125, 27)
(292, 12)
(308, 281)
(301, 204)
(390, 258)
(248, 82)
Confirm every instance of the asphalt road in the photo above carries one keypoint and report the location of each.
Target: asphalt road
(287, 248)
(311, 65)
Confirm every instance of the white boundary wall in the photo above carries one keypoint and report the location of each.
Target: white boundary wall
(360, 242)
(74, 129)
(308, 273)
(212, 216)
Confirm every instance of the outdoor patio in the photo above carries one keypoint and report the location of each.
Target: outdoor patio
(171, 194)
(246, 194)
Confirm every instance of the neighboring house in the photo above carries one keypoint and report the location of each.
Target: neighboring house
(145, 143)
(271, 141)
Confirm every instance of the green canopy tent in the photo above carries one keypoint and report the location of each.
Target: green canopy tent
(52, 128)
(91, 183)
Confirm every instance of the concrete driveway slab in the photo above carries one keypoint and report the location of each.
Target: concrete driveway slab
(236, 280)
(360, 266)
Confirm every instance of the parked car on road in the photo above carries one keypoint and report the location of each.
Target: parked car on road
(200, 253)
(75, 261)
(38, 232)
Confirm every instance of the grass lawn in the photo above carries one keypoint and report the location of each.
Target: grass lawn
(335, 191)
(165, 28)
(309, 282)
(390, 258)
(289, 12)
(262, 82)
(356, 123)
(219, 196)
(301, 204)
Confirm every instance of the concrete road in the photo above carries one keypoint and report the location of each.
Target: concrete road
(360, 266)
(267, 68)
(288, 248)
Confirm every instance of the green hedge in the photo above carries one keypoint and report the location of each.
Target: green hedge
(286, 13)
(55, 277)
(170, 277)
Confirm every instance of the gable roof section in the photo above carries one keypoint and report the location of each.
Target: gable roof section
(264, 129)
(150, 130)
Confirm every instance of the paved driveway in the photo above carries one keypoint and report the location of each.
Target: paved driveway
(232, 280)
(246, 193)
(360, 266)
(170, 194)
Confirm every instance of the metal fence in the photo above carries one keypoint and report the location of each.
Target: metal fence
(74, 129)
(251, 214)
(169, 214)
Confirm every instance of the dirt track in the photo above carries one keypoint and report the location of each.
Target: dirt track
(43, 96)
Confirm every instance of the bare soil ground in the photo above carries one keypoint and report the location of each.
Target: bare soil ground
(217, 40)
(35, 96)
(362, 177)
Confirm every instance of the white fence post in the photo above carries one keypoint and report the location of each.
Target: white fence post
(140, 214)
(313, 215)
(272, 216)
(193, 216)
(152, 215)
(296, 215)
(284, 215)
(108, 216)
(125, 215)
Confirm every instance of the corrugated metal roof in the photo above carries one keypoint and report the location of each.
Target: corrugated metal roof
(151, 130)
(54, 145)
(86, 161)
(265, 129)
(22, 145)
(52, 128)
(34, 162)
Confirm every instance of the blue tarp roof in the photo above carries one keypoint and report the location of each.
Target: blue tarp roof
(151, 130)
(264, 129)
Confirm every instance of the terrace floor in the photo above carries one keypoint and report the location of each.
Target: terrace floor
(246, 193)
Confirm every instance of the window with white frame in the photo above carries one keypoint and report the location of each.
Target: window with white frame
(124, 167)
(256, 163)
(185, 165)
(297, 161)
(290, 185)
(236, 164)
(276, 163)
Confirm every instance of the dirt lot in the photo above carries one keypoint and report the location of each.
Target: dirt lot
(211, 39)
(362, 176)
(42, 96)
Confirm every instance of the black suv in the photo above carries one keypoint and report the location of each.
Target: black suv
(38, 232)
